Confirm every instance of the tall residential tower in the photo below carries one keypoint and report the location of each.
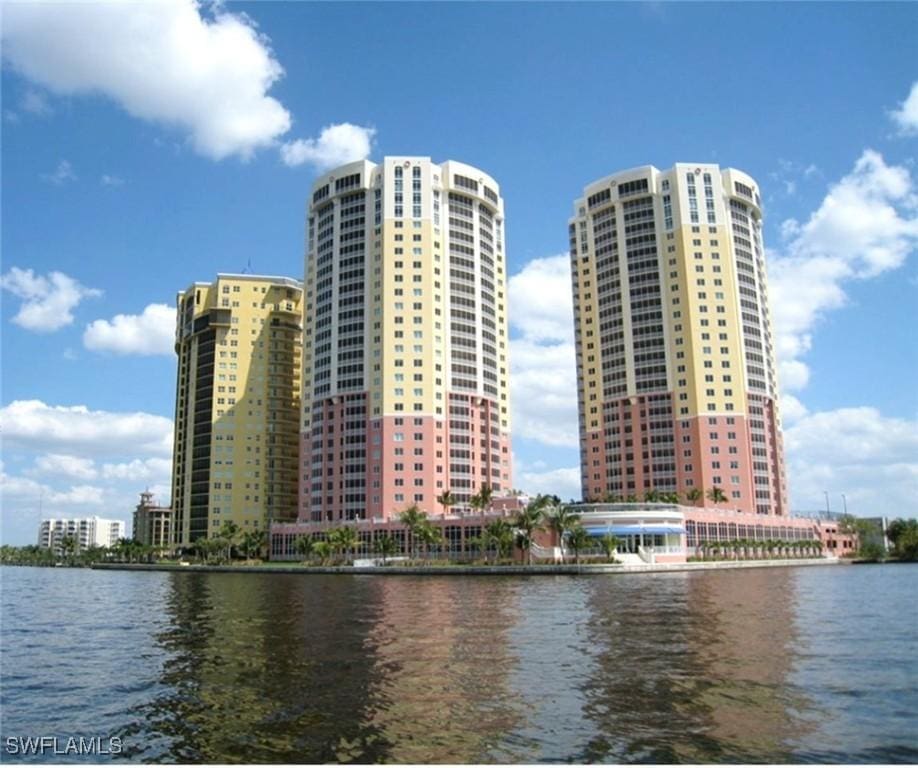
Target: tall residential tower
(675, 353)
(237, 405)
(405, 369)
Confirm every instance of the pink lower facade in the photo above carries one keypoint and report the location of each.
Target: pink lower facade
(640, 446)
(359, 468)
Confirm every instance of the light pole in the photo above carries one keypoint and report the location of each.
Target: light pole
(845, 503)
(828, 512)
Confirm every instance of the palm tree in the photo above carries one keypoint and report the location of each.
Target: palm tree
(486, 494)
(578, 539)
(499, 535)
(228, 532)
(344, 539)
(253, 540)
(305, 546)
(716, 495)
(651, 496)
(481, 501)
(93, 554)
(446, 500)
(413, 519)
(670, 498)
(322, 549)
(429, 536)
(68, 545)
(561, 519)
(610, 545)
(385, 546)
(528, 521)
(694, 495)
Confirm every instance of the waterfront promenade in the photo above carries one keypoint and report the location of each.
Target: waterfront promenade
(470, 570)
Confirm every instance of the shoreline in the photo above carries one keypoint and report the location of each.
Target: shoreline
(569, 569)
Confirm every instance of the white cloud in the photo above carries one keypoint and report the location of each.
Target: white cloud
(336, 145)
(48, 302)
(537, 478)
(542, 360)
(543, 383)
(791, 409)
(541, 298)
(36, 103)
(111, 181)
(794, 375)
(61, 175)
(906, 117)
(64, 465)
(866, 225)
(20, 495)
(33, 425)
(79, 495)
(870, 458)
(150, 333)
(160, 61)
(139, 469)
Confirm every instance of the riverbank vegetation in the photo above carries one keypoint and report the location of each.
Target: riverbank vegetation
(68, 553)
(503, 541)
(755, 549)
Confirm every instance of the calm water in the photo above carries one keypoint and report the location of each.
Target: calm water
(777, 665)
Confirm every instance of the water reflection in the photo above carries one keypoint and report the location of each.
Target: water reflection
(771, 665)
(262, 671)
(745, 663)
(693, 669)
(441, 661)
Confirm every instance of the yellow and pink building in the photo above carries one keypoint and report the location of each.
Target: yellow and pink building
(405, 358)
(677, 386)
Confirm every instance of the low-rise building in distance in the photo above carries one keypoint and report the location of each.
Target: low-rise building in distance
(86, 531)
(152, 523)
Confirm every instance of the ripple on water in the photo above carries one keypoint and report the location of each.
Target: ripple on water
(774, 665)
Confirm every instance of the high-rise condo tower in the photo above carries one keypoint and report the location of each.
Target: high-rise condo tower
(237, 405)
(405, 391)
(675, 351)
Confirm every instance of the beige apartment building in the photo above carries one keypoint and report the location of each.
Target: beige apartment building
(239, 343)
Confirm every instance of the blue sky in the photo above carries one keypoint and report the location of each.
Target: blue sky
(133, 175)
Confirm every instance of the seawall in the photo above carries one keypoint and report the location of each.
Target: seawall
(470, 570)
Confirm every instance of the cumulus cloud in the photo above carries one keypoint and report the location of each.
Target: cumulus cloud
(160, 61)
(542, 300)
(63, 174)
(34, 425)
(139, 469)
(64, 465)
(866, 225)
(150, 333)
(19, 494)
(906, 117)
(871, 458)
(542, 359)
(47, 302)
(537, 477)
(336, 145)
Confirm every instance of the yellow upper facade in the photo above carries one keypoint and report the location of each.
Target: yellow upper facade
(701, 229)
(433, 280)
(239, 343)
